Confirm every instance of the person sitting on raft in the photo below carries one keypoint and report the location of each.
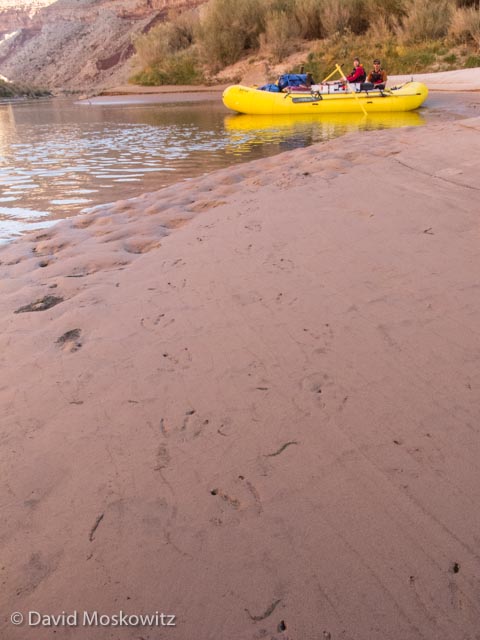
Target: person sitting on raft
(358, 72)
(377, 76)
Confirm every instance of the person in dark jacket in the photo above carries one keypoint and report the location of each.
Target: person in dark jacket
(358, 72)
(377, 76)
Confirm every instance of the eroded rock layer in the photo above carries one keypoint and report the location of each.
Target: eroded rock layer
(78, 46)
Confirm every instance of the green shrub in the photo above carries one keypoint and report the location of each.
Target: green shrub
(397, 58)
(186, 25)
(12, 90)
(166, 38)
(152, 47)
(408, 35)
(472, 62)
(176, 68)
(184, 68)
(149, 77)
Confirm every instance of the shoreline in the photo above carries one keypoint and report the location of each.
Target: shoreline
(264, 421)
(459, 80)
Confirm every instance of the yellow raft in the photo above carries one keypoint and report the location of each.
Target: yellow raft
(250, 100)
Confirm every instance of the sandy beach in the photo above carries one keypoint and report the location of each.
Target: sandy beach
(459, 80)
(252, 401)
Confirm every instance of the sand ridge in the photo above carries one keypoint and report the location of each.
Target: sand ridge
(252, 400)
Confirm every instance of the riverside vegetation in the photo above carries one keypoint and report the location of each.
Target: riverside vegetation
(12, 90)
(409, 35)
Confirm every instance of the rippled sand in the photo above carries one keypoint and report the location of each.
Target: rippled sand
(252, 400)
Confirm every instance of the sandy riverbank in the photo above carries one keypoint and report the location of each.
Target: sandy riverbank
(253, 401)
(458, 80)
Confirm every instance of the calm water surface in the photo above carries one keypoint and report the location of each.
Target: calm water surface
(58, 157)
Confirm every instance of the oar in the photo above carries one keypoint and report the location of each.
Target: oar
(328, 77)
(339, 69)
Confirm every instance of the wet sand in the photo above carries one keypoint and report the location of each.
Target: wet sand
(252, 400)
(168, 96)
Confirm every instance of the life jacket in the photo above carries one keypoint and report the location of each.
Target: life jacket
(376, 76)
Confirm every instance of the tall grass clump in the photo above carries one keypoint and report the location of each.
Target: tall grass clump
(465, 26)
(182, 67)
(408, 35)
(359, 16)
(468, 3)
(229, 29)
(336, 16)
(386, 12)
(308, 15)
(166, 38)
(167, 54)
(153, 46)
(426, 20)
(280, 36)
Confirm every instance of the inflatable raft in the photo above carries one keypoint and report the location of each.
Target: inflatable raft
(254, 101)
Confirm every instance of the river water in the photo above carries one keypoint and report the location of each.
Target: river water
(59, 157)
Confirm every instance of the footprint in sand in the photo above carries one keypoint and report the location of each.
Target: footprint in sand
(323, 333)
(140, 245)
(203, 205)
(182, 360)
(253, 226)
(48, 248)
(43, 236)
(237, 496)
(160, 321)
(190, 428)
(83, 222)
(38, 569)
(47, 302)
(324, 391)
(162, 459)
(280, 264)
(70, 341)
(193, 425)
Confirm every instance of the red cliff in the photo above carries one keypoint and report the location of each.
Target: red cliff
(76, 44)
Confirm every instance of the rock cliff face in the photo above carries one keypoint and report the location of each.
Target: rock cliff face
(75, 44)
(18, 14)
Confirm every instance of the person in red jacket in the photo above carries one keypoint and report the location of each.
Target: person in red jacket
(358, 73)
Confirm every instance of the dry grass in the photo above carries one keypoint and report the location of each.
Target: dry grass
(308, 15)
(426, 20)
(280, 37)
(409, 35)
(465, 26)
(229, 29)
(167, 38)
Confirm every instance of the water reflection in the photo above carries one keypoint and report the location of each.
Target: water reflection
(303, 130)
(58, 157)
